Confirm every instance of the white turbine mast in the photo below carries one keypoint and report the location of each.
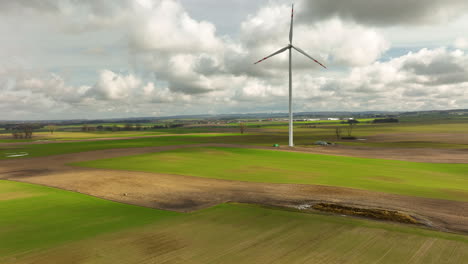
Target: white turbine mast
(290, 47)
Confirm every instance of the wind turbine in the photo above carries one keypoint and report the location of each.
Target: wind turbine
(290, 47)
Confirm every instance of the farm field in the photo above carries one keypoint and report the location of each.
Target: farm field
(219, 132)
(382, 137)
(166, 195)
(52, 148)
(441, 181)
(67, 135)
(36, 217)
(84, 229)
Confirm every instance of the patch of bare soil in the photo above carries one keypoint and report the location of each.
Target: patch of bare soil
(185, 193)
(449, 138)
(429, 155)
(379, 214)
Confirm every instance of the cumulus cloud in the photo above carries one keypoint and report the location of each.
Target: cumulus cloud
(177, 64)
(166, 27)
(427, 79)
(331, 40)
(461, 43)
(113, 86)
(385, 13)
(27, 92)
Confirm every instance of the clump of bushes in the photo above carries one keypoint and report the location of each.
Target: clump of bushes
(386, 120)
(22, 132)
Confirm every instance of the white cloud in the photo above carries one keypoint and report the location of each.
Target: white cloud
(113, 86)
(165, 26)
(332, 40)
(180, 65)
(461, 43)
(427, 79)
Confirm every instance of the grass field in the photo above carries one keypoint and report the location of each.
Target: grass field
(76, 135)
(442, 181)
(45, 225)
(35, 217)
(38, 150)
(266, 136)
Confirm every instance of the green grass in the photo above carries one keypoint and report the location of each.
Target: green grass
(78, 135)
(45, 225)
(38, 150)
(302, 137)
(265, 136)
(36, 217)
(442, 181)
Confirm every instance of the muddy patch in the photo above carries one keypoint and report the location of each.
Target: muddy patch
(378, 214)
(24, 173)
(457, 193)
(180, 205)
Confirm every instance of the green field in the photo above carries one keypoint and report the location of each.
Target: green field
(35, 217)
(78, 135)
(442, 181)
(46, 225)
(38, 150)
(264, 136)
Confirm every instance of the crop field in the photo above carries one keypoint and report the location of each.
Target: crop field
(38, 150)
(443, 181)
(36, 217)
(67, 135)
(213, 195)
(48, 225)
(439, 136)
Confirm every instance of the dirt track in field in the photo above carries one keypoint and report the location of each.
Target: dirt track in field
(449, 138)
(430, 155)
(185, 193)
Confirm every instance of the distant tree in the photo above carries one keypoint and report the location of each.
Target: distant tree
(100, 127)
(84, 128)
(22, 131)
(115, 128)
(386, 120)
(128, 127)
(242, 127)
(28, 131)
(338, 132)
(138, 126)
(15, 134)
(351, 124)
(51, 128)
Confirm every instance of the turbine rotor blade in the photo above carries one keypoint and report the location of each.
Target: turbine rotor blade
(278, 52)
(307, 55)
(291, 28)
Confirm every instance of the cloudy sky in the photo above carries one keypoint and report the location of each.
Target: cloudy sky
(126, 58)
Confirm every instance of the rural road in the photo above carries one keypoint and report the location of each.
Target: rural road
(185, 193)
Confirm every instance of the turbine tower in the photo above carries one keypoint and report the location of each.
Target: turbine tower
(290, 47)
